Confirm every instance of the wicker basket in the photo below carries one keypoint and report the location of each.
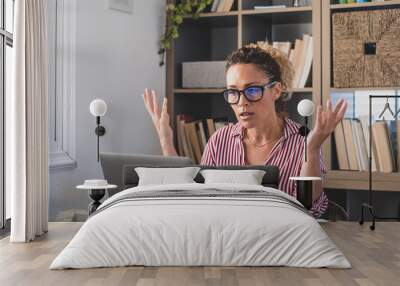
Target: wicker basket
(366, 48)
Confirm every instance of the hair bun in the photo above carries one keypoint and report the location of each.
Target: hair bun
(287, 72)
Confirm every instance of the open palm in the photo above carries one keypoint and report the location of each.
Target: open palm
(159, 115)
(326, 122)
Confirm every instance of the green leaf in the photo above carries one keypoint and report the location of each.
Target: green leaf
(188, 7)
(175, 15)
(175, 34)
(178, 19)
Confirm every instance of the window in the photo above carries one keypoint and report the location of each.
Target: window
(6, 44)
(61, 37)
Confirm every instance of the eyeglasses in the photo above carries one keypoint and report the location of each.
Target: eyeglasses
(252, 93)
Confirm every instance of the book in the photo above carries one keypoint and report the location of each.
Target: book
(381, 138)
(341, 149)
(269, 6)
(214, 6)
(179, 138)
(194, 141)
(362, 155)
(398, 144)
(364, 119)
(205, 128)
(393, 133)
(221, 5)
(350, 145)
(202, 136)
(210, 126)
(227, 6)
(307, 57)
(185, 145)
(355, 140)
(189, 143)
(298, 50)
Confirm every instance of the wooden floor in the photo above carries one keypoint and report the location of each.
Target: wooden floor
(375, 257)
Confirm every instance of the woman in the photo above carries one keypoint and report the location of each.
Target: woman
(257, 78)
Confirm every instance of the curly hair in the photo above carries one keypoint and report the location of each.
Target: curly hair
(272, 62)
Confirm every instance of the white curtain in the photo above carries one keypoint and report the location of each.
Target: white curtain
(27, 123)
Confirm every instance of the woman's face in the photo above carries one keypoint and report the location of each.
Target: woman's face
(251, 114)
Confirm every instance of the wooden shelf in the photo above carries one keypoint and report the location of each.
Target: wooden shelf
(219, 90)
(352, 89)
(301, 90)
(215, 14)
(276, 10)
(358, 180)
(364, 5)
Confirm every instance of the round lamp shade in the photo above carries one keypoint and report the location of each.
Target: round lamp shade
(98, 107)
(305, 107)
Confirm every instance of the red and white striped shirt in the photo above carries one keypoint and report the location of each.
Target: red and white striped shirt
(225, 147)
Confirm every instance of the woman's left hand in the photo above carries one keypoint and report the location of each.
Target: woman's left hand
(325, 123)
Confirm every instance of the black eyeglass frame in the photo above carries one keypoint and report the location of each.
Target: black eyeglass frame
(262, 88)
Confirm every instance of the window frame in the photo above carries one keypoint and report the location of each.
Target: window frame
(6, 39)
(62, 86)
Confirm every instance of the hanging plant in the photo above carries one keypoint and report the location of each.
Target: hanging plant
(174, 17)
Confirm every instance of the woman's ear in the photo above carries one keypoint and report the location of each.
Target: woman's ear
(277, 91)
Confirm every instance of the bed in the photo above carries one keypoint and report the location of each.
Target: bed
(200, 224)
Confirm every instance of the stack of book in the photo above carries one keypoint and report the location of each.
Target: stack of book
(300, 56)
(192, 136)
(222, 5)
(352, 145)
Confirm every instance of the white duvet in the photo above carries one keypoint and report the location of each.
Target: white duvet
(200, 231)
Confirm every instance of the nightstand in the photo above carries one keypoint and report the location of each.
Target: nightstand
(96, 191)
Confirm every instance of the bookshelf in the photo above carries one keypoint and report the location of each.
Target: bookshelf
(214, 35)
(345, 179)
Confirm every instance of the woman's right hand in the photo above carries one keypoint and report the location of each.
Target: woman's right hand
(160, 119)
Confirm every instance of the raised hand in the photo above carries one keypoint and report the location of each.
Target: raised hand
(160, 119)
(326, 122)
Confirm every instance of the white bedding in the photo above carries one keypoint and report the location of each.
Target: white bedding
(182, 231)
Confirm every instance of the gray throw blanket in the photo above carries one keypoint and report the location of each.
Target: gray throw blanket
(198, 194)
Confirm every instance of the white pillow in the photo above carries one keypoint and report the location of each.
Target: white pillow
(164, 176)
(249, 177)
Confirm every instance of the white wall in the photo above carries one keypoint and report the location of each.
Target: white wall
(116, 58)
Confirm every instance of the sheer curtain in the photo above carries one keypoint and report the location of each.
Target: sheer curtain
(27, 124)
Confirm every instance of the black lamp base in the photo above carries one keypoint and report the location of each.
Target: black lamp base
(100, 130)
(96, 195)
(303, 131)
(304, 193)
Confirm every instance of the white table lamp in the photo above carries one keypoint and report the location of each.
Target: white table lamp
(305, 109)
(98, 108)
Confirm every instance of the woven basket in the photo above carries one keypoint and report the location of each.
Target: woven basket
(366, 48)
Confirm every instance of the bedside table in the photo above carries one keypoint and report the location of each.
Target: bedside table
(96, 191)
